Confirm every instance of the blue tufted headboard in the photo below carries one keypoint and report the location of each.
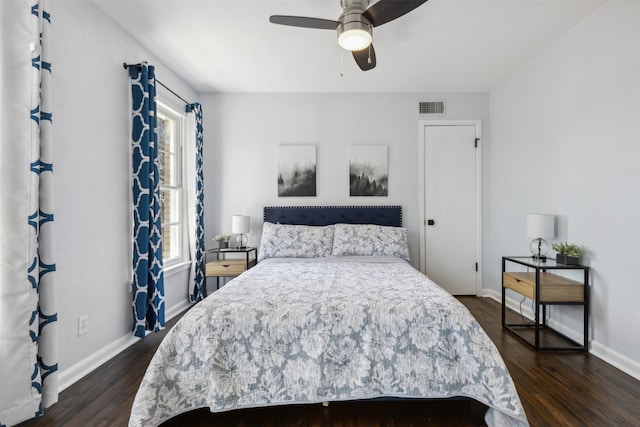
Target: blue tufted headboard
(326, 215)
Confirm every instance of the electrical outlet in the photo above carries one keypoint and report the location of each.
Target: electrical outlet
(83, 324)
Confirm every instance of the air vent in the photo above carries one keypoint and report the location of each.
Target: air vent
(431, 107)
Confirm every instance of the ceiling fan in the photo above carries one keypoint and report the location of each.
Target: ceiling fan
(355, 25)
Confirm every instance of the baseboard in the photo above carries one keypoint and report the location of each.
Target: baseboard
(613, 358)
(511, 303)
(177, 309)
(616, 359)
(74, 373)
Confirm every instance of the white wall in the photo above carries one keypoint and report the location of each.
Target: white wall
(566, 140)
(91, 139)
(243, 131)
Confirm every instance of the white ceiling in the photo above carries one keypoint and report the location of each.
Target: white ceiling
(442, 46)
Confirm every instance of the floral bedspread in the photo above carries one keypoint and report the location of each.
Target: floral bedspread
(316, 330)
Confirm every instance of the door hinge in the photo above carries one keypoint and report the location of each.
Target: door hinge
(476, 266)
(477, 140)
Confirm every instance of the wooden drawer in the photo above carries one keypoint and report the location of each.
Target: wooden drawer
(520, 285)
(225, 267)
(553, 288)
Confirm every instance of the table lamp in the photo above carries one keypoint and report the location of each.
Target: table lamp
(240, 224)
(540, 226)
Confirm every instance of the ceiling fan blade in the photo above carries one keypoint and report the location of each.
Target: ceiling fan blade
(362, 58)
(388, 10)
(301, 21)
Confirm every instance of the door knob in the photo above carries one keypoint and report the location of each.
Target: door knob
(431, 222)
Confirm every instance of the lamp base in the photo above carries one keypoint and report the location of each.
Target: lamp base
(241, 241)
(539, 248)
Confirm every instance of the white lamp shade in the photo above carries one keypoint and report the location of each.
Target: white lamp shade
(541, 225)
(240, 223)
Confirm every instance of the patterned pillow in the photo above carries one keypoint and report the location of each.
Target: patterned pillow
(368, 239)
(295, 241)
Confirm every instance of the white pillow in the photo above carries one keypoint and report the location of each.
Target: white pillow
(295, 241)
(369, 239)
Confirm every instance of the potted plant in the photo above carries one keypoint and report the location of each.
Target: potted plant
(223, 240)
(567, 253)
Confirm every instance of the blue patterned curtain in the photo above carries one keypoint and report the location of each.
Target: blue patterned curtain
(28, 317)
(199, 290)
(148, 277)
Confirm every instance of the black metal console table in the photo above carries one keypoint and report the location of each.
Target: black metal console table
(545, 288)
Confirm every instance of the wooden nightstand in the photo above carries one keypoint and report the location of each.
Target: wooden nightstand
(229, 267)
(545, 288)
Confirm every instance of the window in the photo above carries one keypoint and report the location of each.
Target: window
(171, 134)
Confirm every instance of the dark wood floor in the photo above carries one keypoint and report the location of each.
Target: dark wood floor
(556, 389)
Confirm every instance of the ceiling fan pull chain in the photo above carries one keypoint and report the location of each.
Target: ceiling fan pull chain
(341, 63)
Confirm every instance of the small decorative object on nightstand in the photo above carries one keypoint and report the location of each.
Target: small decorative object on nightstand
(568, 253)
(540, 226)
(223, 241)
(240, 224)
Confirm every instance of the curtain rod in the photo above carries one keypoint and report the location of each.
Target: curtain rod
(126, 67)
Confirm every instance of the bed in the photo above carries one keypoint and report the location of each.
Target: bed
(332, 312)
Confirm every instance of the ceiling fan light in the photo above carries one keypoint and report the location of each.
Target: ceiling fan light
(354, 36)
(354, 40)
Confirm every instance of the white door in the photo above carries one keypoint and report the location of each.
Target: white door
(451, 207)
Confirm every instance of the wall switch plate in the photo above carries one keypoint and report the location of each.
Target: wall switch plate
(83, 324)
